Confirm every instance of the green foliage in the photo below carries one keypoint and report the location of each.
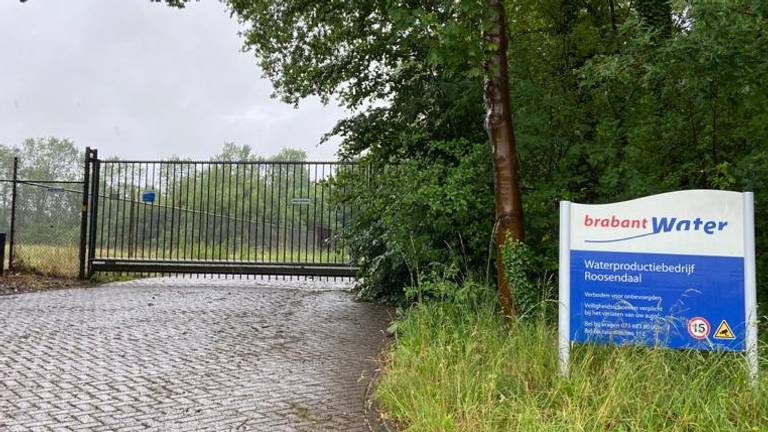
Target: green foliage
(517, 269)
(611, 100)
(412, 72)
(358, 50)
(446, 290)
(687, 113)
(460, 367)
(236, 153)
(425, 218)
(289, 155)
(657, 15)
(49, 158)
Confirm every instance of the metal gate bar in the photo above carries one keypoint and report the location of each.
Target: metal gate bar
(247, 217)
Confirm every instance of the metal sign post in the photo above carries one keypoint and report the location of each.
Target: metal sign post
(564, 316)
(750, 286)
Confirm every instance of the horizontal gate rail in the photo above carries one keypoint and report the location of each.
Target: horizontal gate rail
(222, 267)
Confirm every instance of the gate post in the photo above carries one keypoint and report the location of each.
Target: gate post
(13, 212)
(131, 226)
(2, 253)
(84, 212)
(94, 211)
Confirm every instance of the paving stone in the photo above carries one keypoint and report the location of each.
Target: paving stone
(178, 354)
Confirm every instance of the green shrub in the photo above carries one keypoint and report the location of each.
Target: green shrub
(421, 218)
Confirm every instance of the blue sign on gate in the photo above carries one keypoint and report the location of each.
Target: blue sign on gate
(674, 270)
(148, 197)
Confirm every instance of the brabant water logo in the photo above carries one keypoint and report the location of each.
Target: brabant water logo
(658, 225)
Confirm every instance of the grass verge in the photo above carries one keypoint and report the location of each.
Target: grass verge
(458, 367)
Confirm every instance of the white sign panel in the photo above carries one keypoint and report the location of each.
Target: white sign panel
(674, 270)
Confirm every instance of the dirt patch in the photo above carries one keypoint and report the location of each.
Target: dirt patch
(17, 283)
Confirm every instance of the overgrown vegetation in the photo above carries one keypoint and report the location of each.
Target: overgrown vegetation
(456, 366)
(607, 108)
(612, 100)
(427, 215)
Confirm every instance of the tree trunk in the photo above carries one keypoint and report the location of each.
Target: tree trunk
(613, 15)
(498, 123)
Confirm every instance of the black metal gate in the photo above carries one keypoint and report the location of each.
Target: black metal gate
(216, 217)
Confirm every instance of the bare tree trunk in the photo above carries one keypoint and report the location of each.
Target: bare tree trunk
(498, 123)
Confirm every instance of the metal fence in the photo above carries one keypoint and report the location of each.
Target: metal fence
(180, 217)
(42, 218)
(249, 217)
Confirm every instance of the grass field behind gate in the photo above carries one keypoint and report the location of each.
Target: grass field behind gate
(48, 260)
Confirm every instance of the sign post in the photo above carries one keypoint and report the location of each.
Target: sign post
(564, 318)
(675, 270)
(750, 286)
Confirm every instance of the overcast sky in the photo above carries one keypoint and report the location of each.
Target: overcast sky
(140, 80)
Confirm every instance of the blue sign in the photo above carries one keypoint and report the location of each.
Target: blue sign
(651, 298)
(675, 270)
(148, 197)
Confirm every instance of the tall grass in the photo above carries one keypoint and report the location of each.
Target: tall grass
(62, 261)
(458, 367)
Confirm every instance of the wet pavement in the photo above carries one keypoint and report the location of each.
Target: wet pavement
(188, 354)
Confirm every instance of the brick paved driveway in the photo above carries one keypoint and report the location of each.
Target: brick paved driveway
(191, 354)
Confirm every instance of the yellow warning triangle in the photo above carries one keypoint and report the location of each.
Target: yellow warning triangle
(724, 331)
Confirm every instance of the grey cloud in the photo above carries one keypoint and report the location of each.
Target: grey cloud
(140, 80)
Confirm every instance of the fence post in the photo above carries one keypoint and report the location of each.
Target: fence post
(94, 211)
(13, 212)
(2, 253)
(84, 212)
(131, 227)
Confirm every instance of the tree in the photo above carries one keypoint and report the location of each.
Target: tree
(235, 152)
(289, 155)
(611, 100)
(364, 52)
(509, 206)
